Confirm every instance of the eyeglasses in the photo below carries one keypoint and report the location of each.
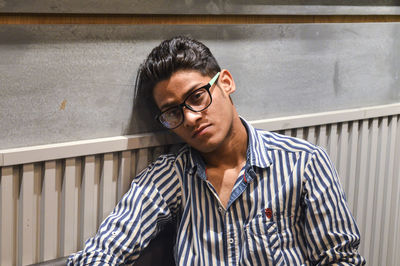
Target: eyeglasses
(197, 101)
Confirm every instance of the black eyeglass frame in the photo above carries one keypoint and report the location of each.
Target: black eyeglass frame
(183, 104)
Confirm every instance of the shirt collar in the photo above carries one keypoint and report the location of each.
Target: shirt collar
(257, 151)
(198, 164)
(257, 154)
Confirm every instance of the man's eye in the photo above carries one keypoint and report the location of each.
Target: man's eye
(172, 113)
(197, 96)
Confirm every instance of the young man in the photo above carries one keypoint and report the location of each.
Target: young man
(240, 196)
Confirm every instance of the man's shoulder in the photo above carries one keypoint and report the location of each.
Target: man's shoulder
(274, 141)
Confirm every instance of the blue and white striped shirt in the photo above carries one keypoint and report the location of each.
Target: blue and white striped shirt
(286, 208)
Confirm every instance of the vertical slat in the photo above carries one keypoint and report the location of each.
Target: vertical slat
(393, 251)
(70, 215)
(89, 199)
(28, 215)
(288, 132)
(333, 141)
(370, 196)
(300, 133)
(380, 180)
(108, 185)
(396, 245)
(134, 170)
(362, 181)
(51, 189)
(124, 178)
(386, 206)
(352, 190)
(343, 156)
(142, 159)
(9, 185)
(37, 190)
(322, 139)
(311, 136)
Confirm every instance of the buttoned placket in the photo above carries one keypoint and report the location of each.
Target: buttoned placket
(231, 238)
(230, 232)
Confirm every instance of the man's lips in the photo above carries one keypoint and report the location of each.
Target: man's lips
(199, 130)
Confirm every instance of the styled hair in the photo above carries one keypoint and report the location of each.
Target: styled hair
(178, 53)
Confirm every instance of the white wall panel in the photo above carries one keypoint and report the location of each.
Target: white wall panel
(49, 208)
(393, 253)
(9, 185)
(108, 185)
(365, 153)
(89, 198)
(70, 215)
(125, 172)
(311, 135)
(343, 147)
(389, 174)
(50, 211)
(28, 229)
(351, 156)
(380, 182)
(142, 160)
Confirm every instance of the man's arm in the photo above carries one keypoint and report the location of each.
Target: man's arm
(152, 200)
(330, 229)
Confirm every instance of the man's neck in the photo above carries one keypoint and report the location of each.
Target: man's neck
(232, 152)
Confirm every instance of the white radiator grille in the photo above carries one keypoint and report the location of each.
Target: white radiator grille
(366, 154)
(49, 208)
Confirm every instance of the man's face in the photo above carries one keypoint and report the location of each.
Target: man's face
(206, 130)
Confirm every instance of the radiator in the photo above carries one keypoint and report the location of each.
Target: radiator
(53, 197)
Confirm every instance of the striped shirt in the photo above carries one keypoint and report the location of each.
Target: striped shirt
(287, 207)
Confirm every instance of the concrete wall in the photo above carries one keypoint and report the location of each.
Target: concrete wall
(70, 82)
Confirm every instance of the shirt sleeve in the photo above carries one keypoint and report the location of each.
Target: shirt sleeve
(153, 198)
(330, 229)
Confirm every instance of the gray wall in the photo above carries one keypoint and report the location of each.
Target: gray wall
(71, 82)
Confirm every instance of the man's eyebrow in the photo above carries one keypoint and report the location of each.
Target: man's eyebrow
(172, 104)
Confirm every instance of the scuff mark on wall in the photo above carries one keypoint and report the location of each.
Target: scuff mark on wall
(63, 104)
(336, 79)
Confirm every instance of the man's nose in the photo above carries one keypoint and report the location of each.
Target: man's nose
(190, 117)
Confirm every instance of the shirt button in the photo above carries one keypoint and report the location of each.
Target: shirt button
(230, 240)
(220, 209)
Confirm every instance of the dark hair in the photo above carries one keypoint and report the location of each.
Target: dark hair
(178, 53)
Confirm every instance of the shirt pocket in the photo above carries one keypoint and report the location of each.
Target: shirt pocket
(262, 242)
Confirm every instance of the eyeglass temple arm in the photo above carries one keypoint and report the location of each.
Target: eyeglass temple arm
(214, 78)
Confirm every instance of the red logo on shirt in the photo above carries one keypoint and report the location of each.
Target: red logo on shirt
(268, 213)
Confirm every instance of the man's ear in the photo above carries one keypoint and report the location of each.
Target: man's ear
(226, 82)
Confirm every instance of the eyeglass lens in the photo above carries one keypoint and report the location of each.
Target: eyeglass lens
(197, 101)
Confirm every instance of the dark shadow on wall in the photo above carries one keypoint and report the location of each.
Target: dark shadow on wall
(142, 116)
